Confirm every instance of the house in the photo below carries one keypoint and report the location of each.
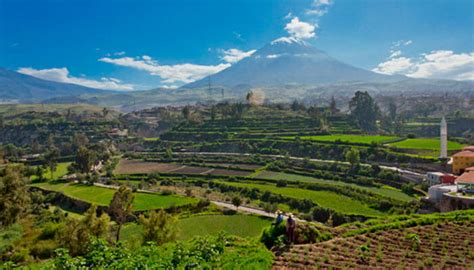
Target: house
(436, 178)
(463, 160)
(465, 182)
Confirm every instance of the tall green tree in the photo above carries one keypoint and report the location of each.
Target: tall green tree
(121, 207)
(85, 159)
(353, 157)
(364, 111)
(158, 227)
(14, 197)
(51, 159)
(333, 106)
(186, 113)
(77, 233)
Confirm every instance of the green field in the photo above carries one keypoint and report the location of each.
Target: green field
(61, 170)
(386, 191)
(103, 196)
(425, 143)
(366, 139)
(209, 225)
(326, 199)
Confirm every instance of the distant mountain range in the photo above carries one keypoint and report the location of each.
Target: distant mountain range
(283, 70)
(287, 61)
(17, 86)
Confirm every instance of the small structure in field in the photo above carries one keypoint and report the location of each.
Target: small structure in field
(436, 178)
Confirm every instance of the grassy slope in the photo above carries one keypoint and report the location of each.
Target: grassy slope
(425, 143)
(349, 138)
(240, 225)
(61, 170)
(103, 196)
(384, 191)
(326, 199)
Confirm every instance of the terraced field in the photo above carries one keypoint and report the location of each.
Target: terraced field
(126, 166)
(209, 225)
(441, 246)
(349, 138)
(386, 191)
(326, 199)
(425, 144)
(103, 196)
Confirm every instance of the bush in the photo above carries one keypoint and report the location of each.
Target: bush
(281, 183)
(270, 235)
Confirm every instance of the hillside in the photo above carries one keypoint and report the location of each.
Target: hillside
(17, 86)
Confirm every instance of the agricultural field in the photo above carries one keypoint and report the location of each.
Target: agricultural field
(103, 196)
(386, 191)
(425, 144)
(326, 199)
(210, 225)
(349, 138)
(60, 171)
(126, 166)
(447, 245)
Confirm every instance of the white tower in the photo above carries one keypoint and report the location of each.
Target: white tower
(444, 139)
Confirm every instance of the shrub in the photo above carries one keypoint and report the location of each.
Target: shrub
(270, 235)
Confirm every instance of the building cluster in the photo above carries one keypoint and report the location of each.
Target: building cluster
(459, 183)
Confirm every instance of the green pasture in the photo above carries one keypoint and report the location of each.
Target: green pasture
(326, 199)
(385, 191)
(103, 196)
(209, 225)
(60, 171)
(425, 143)
(349, 138)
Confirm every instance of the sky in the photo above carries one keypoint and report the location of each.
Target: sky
(144, 44)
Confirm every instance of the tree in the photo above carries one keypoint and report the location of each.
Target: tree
(14, 198)
(249, 97)
(80, 139)
(213, 113)
(77, 233)
(186, 113)
(353, 157)
(237, 110)
(121, 207)
(52, 160)
(158, 227)
(85, 159)
(333, 106)
(2, 121)
(392, 110)
(236, 201)
(105, 112)
(364, 111)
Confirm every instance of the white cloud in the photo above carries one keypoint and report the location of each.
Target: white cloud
(300, 30)
(442, 64)
(62, 75)
(235, 55)
(288, 16)
(119, 53)
(394, 53)
(319, 7)
(408, 42)
(273, 56)
(400, 65)
(170, 74)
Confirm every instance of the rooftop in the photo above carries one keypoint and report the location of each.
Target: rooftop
(465, 178)
(464, 153)
(470, 169)
(468, 148)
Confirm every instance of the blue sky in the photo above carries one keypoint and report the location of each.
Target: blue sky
(125, 44)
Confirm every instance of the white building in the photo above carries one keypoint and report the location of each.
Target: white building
(435, 193)
(434, 178)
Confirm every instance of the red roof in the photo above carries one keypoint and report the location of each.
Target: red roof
(464, 154)
(470, 169)
(468, 148)
(466, 178)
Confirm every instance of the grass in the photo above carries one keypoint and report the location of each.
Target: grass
(386, 191)
(425, 143)
(208, 225)
(103, 196)
(326, 199)
(349, 138)
(61, 170)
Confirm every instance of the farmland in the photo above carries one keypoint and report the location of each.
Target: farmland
(60, 171)
(211, 225)
(447, 243)
(425, 143)
(103, 196)
(324, 198)
(363, 139)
